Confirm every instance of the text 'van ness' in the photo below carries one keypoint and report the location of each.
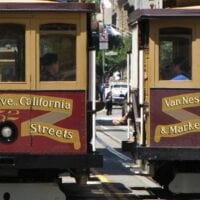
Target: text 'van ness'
(182, 101)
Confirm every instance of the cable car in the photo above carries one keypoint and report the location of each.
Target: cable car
(45, 90)
(165, 96)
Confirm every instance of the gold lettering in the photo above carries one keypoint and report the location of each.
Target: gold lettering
(59, 133)
(37, 128)
(181, 101)
(37, 102)
(13, 114)
(24, 101)
(67, 135)
(51, 131)
(33, 128)
(176, 129)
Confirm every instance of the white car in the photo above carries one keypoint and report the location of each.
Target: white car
(119, 91)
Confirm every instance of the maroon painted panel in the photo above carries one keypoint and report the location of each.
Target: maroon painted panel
(48, 122)
(174, 117)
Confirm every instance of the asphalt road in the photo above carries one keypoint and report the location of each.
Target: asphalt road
(104, 123)
(119, 169)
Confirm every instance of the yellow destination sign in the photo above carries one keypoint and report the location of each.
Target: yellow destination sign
(36, 102)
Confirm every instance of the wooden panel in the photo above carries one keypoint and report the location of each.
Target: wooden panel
(47, 122)
(187, 3)
(174, 117)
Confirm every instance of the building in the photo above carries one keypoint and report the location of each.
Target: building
(122, 9)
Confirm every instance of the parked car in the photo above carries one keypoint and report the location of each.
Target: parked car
(119, 91)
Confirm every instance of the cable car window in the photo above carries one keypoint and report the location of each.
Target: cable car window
(12, 53)
(175, 50)
(58, 52)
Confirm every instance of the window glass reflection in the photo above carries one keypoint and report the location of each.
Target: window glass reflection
(58, 52)
(175, 54)
(12, 53)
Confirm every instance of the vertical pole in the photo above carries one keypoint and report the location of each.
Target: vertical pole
(103, 61)
(128, 94)
(134, 58)
(103, 52)
(141, 94)
(92, 94)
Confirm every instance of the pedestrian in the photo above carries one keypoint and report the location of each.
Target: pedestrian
(101, 91)
(109, 103)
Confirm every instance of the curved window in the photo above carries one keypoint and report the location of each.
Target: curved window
(175, 50)
(58, 52)
(12, 53)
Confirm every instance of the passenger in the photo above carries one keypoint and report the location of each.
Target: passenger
(179, 70)
(109, 103)
(6, 196)
(49, 67)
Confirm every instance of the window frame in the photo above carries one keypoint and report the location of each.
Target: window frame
(81, 54)
(32, 23)
(27, 83)
(155, 27)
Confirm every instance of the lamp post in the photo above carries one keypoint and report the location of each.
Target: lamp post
(103, 37)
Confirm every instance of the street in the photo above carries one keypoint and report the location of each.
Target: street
(119, 178)
(66, 78)
(119, 168)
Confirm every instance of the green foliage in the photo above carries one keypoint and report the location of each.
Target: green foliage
(114, 62)
(97, 4)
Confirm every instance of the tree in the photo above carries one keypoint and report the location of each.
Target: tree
(97, 4)
(117, 62)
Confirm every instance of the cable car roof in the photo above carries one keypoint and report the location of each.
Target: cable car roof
(138, 15)
(26, 1)
(44, 6)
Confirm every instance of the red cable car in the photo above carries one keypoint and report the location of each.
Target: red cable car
(45, 90)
